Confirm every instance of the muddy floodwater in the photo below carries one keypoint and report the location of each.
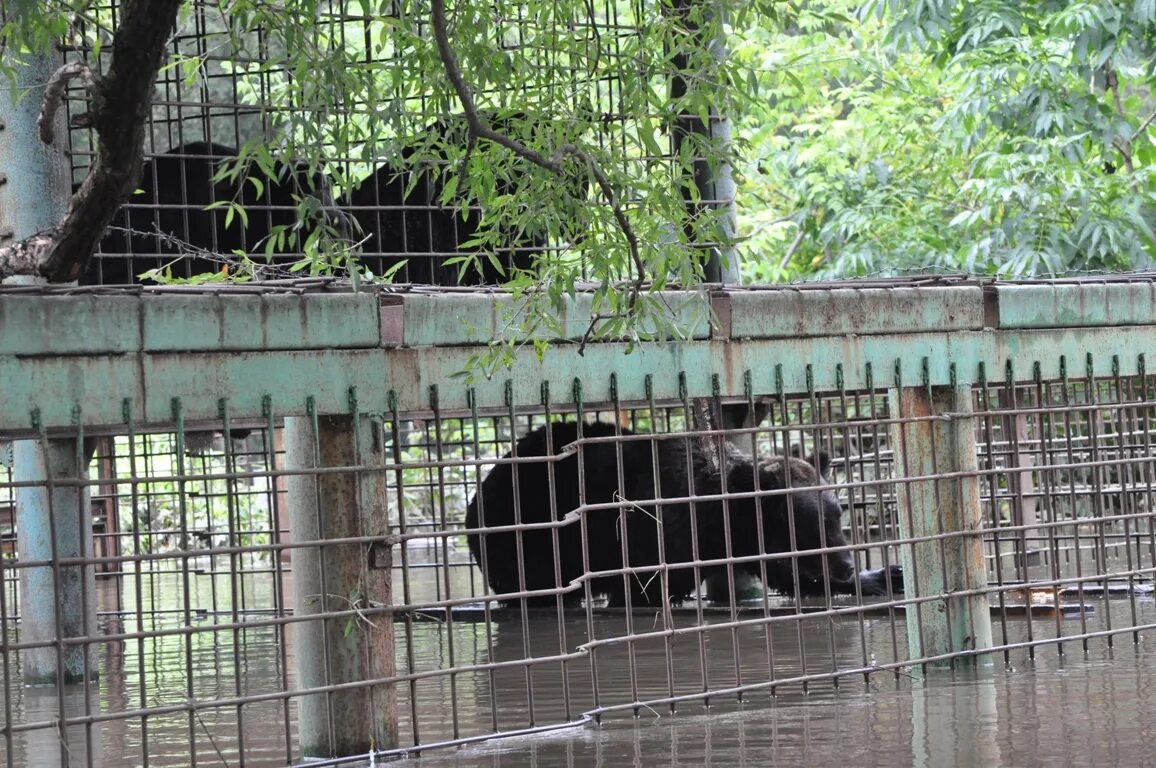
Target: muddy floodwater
(1077, 708)
(1076, 711)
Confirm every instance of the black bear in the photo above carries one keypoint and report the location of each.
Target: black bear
(167, 224)
(415, 227)
(629, 534)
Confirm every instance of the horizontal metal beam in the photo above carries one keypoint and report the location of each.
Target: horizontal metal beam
(94, 355)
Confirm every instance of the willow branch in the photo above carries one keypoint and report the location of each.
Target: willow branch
(554, 163)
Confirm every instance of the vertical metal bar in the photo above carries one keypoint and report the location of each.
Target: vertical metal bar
(695, 555)
(1067, 388)
(444, 564)
(656, 479)
(407, 594)
(182, 483)
(1124, 480)
(992, 479)
(714, 183)
(234, 539)
(1046, 432)
(84, 533)
(1010, 425)
(768, 646)
(583, 499)
(789, 502)
(1092, 391)
(1146, 466)
(623, 515)
(7, 657)
(520, 549)
(556, 551)
(857, 523)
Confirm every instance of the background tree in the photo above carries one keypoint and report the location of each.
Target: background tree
(1008, 138)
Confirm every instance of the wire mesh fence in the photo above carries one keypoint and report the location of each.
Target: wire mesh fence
(388, 189)
(616, 571)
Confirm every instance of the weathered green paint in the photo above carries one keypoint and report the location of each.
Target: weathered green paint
(37, 176)
(340, 578)
(270, 321)
(279, 362)
(95, 384)
(98, 384)
(465, 318)
(793, 314)
(1084, 304)
(54, 521)
(938, 568)
(69, 325)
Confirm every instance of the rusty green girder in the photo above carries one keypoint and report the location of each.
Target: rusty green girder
(96, 354)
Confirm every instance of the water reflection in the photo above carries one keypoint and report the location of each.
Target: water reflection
(1074, 709)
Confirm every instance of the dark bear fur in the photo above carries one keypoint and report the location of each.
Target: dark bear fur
(816, 520)
(416, 228)
(167, 223)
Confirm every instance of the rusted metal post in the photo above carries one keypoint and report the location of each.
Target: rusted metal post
(351, 579)
(57, 602)
(939, 567)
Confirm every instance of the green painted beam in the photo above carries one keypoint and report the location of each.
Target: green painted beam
(98, 384)
(939, 570)
(69, 325)
(268, 321)
(452, 319)
(1060, 305)
(787, 313)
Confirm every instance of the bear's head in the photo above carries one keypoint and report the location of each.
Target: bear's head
(804, 519)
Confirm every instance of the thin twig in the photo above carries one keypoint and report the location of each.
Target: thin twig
(790, 254)
(479, 128)
(54, 96)
(1144, 126)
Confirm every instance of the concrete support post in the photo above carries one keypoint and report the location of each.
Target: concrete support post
(940, 567)
(340, 578)
(34, 178)
(57, 602)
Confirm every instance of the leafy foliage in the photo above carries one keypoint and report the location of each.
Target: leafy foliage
(996, 137)
(1006, 138)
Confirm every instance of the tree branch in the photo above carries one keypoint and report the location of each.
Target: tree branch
(54, 96)
(1123, 144)
(121, 101)
(479, 128)
(1143, 126)
(790, 254)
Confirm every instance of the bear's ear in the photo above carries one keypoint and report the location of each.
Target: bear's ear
(821, 461)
